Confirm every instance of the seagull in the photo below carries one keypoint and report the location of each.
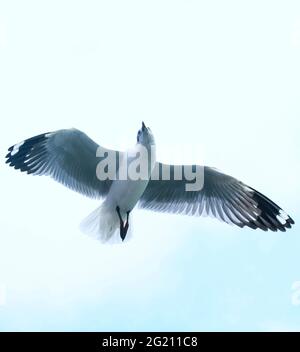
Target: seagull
(70, 157)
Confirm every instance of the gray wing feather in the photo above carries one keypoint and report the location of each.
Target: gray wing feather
(68, 156)
(222, 197)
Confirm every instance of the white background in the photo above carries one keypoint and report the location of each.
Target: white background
(217, 80)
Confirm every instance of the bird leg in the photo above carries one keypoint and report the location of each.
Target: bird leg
(121, 222)
(126, 224)
(123, 228)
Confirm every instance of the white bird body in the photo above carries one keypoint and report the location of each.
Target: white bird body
(103, 223)
(126, 193)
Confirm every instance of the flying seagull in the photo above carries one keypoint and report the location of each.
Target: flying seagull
(70, 157)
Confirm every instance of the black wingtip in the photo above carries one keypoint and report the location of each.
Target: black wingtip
(291, 221)
(272, 217)
(18, 153)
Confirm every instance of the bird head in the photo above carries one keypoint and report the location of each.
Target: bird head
(145, 136)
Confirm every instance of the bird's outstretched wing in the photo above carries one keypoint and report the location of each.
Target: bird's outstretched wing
(222, 196)
(68, 156)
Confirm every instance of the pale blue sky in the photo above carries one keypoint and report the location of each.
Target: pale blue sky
(217, 77)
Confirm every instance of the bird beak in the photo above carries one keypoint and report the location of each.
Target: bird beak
(143, 126)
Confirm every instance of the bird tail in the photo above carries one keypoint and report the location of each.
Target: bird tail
(102, 224)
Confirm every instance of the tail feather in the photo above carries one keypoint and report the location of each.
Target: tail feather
(102, 224)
